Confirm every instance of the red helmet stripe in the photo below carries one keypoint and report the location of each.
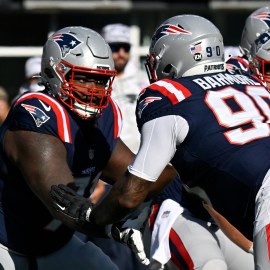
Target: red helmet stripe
(175, 91)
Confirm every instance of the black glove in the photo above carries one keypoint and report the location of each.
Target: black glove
(129, 233)
(71, 204)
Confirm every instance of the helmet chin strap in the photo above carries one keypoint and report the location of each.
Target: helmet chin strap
(85, 111)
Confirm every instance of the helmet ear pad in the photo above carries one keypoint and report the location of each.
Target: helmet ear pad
(170, 71)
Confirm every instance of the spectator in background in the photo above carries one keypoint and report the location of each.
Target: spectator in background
(128, 83)
(4, 104)
(32, 71)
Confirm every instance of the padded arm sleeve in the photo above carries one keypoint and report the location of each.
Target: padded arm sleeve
(159, 138)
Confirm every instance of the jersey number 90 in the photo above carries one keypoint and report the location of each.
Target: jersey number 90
(209, 51)
(250, 121)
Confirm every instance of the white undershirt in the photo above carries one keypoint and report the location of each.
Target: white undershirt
(159, 138)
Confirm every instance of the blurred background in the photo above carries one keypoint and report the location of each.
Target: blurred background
(26, 24)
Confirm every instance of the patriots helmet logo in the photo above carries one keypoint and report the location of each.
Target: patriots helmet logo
(261, 40)
(66, 42)
(142, 105)
(38, 115)
(169, 29)
(263, 16)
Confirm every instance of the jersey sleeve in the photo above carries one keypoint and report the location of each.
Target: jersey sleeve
(41, 113)
(159, 99)
(237, 64)
(110, 123)
(159, 139)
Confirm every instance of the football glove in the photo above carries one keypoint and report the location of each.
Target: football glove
(128, 232)
(66, 201)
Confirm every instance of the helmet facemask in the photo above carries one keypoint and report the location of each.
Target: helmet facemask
(260, 58)
(151, 66)
(86, 91)
(77, 68)
(261, 68)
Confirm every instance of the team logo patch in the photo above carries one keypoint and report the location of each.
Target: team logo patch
(231, 67)
(66, 42)
(169, 29)
(38, 115)
(145, 102)
(263, 16)
(261, 40)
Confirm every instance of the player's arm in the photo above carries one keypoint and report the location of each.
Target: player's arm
(229, 230)
(149, 172)
(41, 159)
(117, 165)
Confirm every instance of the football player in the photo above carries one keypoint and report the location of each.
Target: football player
(260, 58)
(211, 124)
(71, 129)
(256, 23)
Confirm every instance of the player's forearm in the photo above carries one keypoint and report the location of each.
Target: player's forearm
(168, 174)
(125, 196)
(229, 230)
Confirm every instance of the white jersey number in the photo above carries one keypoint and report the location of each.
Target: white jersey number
(252, 110)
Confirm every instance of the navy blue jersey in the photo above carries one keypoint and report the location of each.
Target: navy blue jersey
(227, 148)
(172, 191)
(239, 63)
(24, 219)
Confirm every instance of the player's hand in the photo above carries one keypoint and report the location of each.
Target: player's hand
(128, 232)
(72, 205)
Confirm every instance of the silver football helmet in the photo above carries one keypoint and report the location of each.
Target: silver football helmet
(185, 45)
(256, 23)
(260, 57)
(78, 51)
